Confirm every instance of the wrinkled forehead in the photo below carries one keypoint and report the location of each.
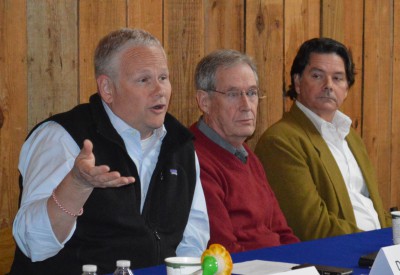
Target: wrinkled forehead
(235, 72)
(326, 61)
(136, 56)
(325, 57)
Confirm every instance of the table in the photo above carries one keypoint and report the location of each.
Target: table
(341, 251)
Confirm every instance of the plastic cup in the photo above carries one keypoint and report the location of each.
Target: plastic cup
(396, 226)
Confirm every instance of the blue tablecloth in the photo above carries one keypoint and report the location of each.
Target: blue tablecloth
(341, 251)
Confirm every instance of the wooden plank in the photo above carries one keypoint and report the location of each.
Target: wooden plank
(343, 20)
(13, 103)
(264, 41)
(395, 145)
(302, 22)
(7, 249)
(146, 15)
(378, 77)
(96, 19)
(52, 57)
(183, 32)
(224, 25)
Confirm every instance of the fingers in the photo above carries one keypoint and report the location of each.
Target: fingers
(87, 174)
(87, 148)
(85, 158)
(101, 178)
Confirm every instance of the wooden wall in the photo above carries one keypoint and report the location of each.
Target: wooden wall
(46, 49)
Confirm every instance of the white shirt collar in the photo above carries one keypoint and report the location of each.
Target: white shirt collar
(340, 122)
(121, 126)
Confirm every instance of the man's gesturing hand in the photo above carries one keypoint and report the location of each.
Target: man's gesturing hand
(86, 174)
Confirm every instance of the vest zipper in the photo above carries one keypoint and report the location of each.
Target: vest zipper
(158, 239)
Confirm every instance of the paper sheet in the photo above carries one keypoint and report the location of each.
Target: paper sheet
(258, 267)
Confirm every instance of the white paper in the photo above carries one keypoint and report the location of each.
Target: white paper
(310, 270)
(258, 267)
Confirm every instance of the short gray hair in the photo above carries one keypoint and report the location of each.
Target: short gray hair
(207, 67)
(114, 42)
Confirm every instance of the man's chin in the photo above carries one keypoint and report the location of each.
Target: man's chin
(247, 133)
(157, 124)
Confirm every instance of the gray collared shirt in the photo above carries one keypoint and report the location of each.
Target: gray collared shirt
(240, 153)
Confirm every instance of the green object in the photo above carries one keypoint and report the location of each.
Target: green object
(209, 265)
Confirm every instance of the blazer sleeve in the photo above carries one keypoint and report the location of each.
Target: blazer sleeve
(303, 188)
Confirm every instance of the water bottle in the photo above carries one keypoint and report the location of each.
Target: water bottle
(89, 269)
(123, 268)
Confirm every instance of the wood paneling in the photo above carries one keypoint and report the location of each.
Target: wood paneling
(52, 58)
(377, 87)
(46, 63)
(301, 22)
(224, 26)
(13, 103)
(146, 15)
(264, 42)
(395, 101)
(336, 15)
(7, 248)
(96, 19)
(183, 41)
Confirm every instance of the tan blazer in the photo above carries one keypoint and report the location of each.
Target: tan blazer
(307, 181)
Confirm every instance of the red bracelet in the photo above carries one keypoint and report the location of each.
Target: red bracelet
(53, 195)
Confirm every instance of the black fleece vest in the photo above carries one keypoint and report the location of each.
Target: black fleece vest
(111, 227)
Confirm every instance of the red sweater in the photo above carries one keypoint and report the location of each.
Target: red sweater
(243, 211)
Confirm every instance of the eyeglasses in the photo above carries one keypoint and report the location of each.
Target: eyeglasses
(235, 94)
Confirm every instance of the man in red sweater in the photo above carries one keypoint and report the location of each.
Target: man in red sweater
(243, 211)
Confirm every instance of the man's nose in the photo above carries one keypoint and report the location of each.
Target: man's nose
(158, 89)
(244, 101)
(328, 84)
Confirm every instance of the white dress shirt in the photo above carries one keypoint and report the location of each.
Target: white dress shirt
(42, 172)
(334, 135)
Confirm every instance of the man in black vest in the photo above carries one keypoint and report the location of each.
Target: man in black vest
(116, 178)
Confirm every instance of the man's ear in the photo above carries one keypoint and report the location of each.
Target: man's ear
(296, 78)
(203, 100)
(106, 88)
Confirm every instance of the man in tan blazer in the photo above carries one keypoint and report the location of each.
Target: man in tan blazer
(315, 162)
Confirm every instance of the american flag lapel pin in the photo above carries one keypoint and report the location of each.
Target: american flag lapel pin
(173, 172)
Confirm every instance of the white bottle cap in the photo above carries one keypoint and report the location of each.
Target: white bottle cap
(123, 263)
(89, 268)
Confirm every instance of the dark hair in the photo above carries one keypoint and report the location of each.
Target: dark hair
(320, 45)
(206, 69)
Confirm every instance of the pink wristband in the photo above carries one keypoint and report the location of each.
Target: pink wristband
(53, 195)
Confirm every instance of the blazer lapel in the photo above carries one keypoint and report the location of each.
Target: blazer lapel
(360, 157)
(360, 154)
(329, 162)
